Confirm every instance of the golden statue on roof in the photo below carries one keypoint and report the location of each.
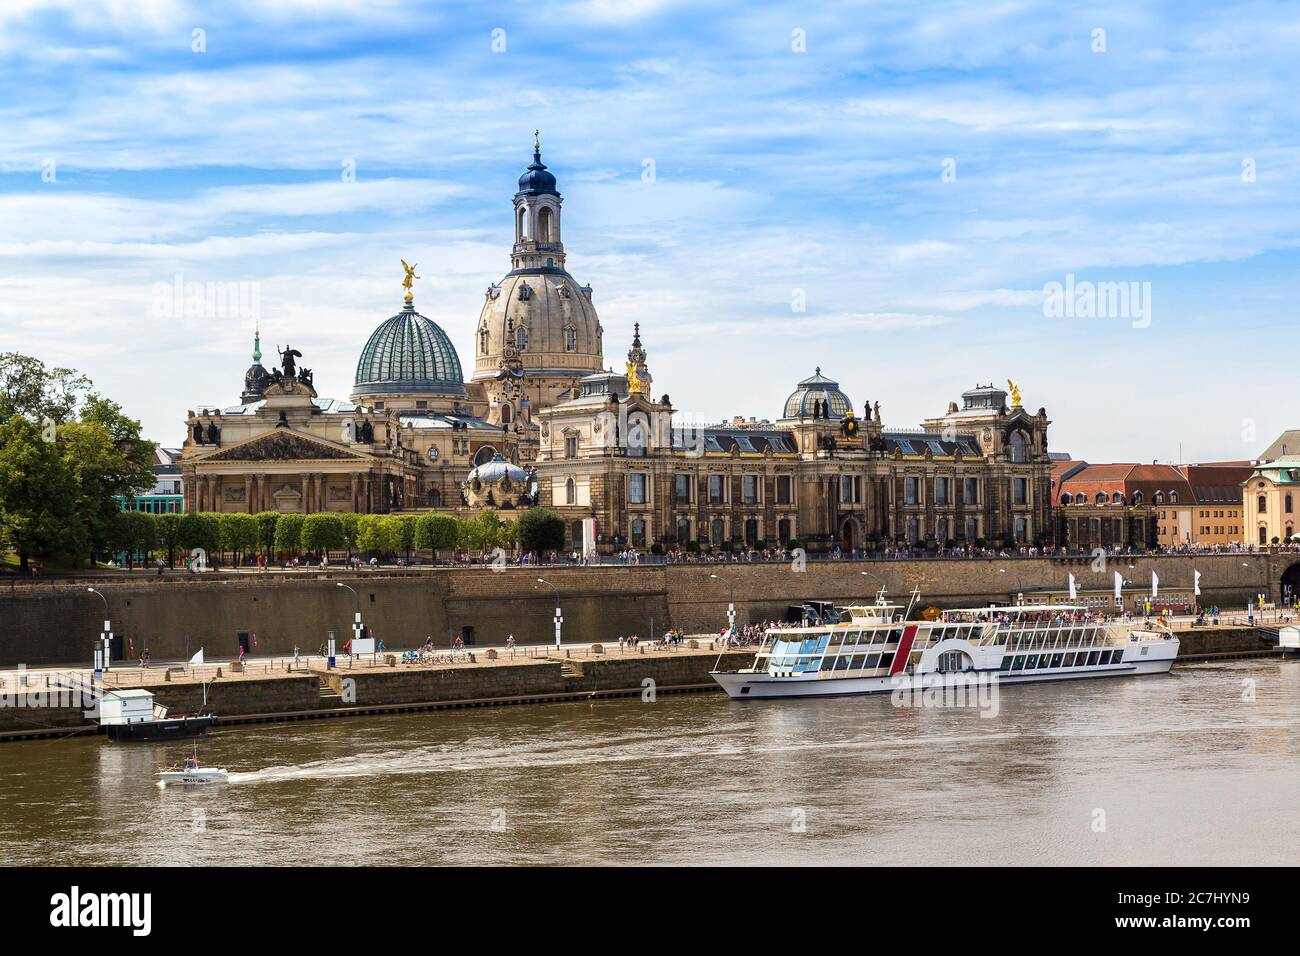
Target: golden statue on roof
(633, 380)
(408, 281)
(1015, 393)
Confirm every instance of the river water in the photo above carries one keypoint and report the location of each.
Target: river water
(1179, 769)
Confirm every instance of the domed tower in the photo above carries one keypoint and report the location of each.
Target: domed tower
(538, 333)
(407, 363)
(817, 397)
(256, 378)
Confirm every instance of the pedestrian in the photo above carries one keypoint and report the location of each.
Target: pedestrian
(295, 655)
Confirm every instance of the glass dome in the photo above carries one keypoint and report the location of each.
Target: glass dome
(409, 353)
(813, 389)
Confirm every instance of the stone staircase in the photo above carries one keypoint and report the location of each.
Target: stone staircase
(329, 697)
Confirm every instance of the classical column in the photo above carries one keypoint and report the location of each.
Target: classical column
(248, 493)
(306, 506)
(356, 482)
(320, 493)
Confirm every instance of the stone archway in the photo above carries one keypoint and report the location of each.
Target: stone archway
(848, 535)
(1289, 584)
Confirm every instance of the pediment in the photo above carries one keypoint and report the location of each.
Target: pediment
(285, 445)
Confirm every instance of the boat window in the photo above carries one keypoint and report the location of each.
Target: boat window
(887, 660)
(1092, 658)
(873, 661)
(1032, 662)
(1006, 663)
(1058, 660)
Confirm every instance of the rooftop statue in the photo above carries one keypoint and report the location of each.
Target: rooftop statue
(1015, 393)
(408, 281)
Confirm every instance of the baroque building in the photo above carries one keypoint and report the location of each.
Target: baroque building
(543, 420)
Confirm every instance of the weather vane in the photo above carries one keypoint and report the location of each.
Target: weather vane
(408, 281)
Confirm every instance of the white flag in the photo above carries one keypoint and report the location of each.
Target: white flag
(1196, 583)
(1074, 591)
(1119, 584)
(197, 658)
(1155, 584)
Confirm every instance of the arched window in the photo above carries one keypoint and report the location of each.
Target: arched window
(941, 531)
(1262, 503)
(570, 339)
(1066, 499)
(638, 532)
(783, 531)
(1137, 498)
(1288, 504)
(544, 225)
(505, 414)
(1016, 444)
(683, 530)
(1158, 498)
(521, 338)
(1173, 497)
(1116, 498)
(483, 341)
(570, 492)
(913, 530)
(523, 224)
(1100, 498)
(717, 531)
(751, 531)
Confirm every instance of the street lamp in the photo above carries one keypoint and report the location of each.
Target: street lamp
(356, 621)
(731, 601)
(101, 655)
(559, 617)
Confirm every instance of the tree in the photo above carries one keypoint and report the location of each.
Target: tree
(434, 531)
(288, 534)
(29, 389)
(404, 526)
(350, 528)
(378, 533)
(541, 530)
(266, 522)
(199, 531)
(167, 528)
(39, 494)
(239, 532)
(322, 532)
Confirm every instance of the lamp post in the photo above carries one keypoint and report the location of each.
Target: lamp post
(101, 655)
(356, 620)
(559, 616)
(731, 601)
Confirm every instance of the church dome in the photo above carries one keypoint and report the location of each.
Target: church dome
(406, 354)
(537, 179)
(547, 318)
(500, 483)
(817, 388)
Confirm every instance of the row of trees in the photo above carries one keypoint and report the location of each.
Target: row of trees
(242, 536)
(66, 453)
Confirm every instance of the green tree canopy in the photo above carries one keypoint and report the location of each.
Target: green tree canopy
(435, 531)
(323, 532)
(39, 494)
(288, 533)
(541, 529)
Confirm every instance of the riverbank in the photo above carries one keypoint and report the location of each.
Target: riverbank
(52, 622)
(358, 687)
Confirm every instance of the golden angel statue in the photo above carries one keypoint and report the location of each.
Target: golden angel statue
(633, 380)
(1015, 393)
(408, 281)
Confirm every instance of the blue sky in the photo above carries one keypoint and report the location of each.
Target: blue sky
(777, 172)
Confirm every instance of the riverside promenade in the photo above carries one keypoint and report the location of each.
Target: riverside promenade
(275, 689)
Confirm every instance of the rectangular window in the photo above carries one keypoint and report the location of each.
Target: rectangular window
(970, 492)
(783, 489)
(749, 489)
(717, 488)
(910, 491)
(1018, 491)
(682, 488)
(941, 491)
(636, 489)
(570, 446)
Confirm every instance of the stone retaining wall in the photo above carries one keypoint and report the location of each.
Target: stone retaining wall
(53, 623)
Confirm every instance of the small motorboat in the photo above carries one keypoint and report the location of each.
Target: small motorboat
(192, 774)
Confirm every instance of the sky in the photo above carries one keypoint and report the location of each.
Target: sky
(890, 191)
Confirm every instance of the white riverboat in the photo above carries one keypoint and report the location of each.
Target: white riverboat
(876, 649)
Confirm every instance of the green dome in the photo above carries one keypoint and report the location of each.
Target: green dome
(408, 353)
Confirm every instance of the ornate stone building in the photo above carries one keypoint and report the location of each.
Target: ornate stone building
(542, 419)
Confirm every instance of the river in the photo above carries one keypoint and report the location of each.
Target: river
(1198, 767)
